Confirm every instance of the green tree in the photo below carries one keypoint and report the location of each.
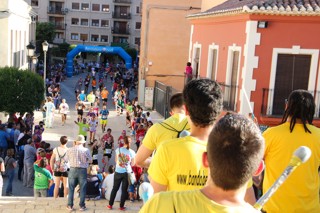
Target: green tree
(21, 90)
(45, 31)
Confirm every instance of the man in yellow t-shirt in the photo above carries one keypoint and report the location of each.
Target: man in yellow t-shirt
(91, 98)
(163, 131)
(177, 162)
(300, 192)
(233, 137)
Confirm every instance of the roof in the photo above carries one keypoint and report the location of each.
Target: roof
(264, 7)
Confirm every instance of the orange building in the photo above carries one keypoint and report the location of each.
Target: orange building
(165, 41)
(259, 51)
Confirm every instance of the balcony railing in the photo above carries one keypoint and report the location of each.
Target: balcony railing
(59, 25)
(229, 96)
(121, 15)
(57, 10)
(120, 31)
(122, 1)
(273, 104)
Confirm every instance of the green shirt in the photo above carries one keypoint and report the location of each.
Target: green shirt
(83, 129)
(41, 177)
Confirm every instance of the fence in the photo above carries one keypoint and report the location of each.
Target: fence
(162, 95)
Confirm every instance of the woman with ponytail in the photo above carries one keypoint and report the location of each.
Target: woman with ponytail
(124, 159)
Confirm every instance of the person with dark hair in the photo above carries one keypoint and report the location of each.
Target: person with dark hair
(60, 166)
(107, 185)
(10, 165)
(188, 73)
(4, 137)
(203, 104)
(124, 159)
(300, 192)
(43, 178)
(168, 129)
(233, 154)
(107, 146)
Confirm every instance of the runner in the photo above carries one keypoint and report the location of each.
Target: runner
(64, 109)
(104, 95)
(108, 146)
(80, 107)
(104, 117)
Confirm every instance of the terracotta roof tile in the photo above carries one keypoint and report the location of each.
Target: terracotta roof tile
(281, 7)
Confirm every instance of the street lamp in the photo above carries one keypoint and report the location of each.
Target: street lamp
(30, 53)
(45, 46)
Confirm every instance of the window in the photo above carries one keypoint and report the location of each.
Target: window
(75, 6)
(74, 36)
(137, 10)
(84, 6)
(84, 37)
(137, 41)
(35, 3)
(94, 37)
(212, 61)
(138, 25)
(292, 73)
(104, 23)
(84, 22)
(95, 7)
(105, 8)
(95, 22)
(104, 38)
(74, 21)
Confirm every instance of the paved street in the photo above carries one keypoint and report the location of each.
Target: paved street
(116, 123)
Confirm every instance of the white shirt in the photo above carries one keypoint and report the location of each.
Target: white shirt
(108, 185)
(64, 107)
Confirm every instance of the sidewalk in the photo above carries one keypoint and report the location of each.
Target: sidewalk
(70, 129)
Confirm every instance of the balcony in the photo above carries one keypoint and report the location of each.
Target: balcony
(120, 31)
(229, 96)
(57, 10)
(59, 25)
(118, 15)
(122, 1)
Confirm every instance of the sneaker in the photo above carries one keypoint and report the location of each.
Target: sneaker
(109, 207)
(122, 208)
(83, 208)
(70, 208)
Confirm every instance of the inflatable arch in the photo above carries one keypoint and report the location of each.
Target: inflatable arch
(96, 49)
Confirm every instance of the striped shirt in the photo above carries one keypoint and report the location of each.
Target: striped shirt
(79, 157)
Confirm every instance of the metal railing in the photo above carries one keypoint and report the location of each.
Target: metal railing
(274, 102)
(118, 15)
(122, 1)
(229, 96)
(56, 10)
(120, 31)
(162, 96)
(59, 26)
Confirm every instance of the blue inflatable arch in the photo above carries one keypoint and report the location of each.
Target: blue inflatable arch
(96, 49)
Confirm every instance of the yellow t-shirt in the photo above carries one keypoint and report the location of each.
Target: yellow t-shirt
(178, 164)
(190, 201)
(300, 192)
(158, 133)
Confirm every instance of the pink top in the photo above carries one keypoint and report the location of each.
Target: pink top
(189, 70)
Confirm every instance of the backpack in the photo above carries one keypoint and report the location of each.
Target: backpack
(167, 126)
(60, 165)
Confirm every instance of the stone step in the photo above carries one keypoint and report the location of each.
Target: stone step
(52, 205)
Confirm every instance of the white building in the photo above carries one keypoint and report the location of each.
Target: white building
(16, 32)
(94, 22)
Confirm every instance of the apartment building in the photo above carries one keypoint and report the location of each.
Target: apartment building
(92, 22)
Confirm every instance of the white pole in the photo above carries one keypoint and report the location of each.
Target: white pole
(44, 73)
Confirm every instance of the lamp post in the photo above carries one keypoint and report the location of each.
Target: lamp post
(45, 46)
(30, 53)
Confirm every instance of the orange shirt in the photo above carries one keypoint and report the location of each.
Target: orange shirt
(94, 83)
(104, 93)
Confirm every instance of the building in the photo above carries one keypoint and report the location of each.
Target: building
(17, 30)
(93, 22)
(165, 38)
(259, 51)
